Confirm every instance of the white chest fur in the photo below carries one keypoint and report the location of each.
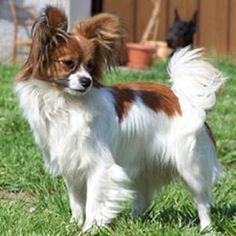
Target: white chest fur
(61, 125)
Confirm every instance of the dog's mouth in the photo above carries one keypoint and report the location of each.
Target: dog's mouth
(64, 84)
(79, 90)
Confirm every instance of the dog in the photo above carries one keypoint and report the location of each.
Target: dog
(181, 32)
(112, 143)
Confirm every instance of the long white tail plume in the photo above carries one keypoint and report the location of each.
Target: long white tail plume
(194, 79)
(195, 83)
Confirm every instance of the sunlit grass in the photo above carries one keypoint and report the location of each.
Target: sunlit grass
(34, 203)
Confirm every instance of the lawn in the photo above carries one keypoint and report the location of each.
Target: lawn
(34, 203)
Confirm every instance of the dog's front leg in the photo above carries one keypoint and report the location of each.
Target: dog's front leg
(95, 198)
(107, 187)
(77, 198)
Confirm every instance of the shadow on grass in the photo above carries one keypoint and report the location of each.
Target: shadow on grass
(170, 216)
(189, 217)
(226, 211)
(223, 216)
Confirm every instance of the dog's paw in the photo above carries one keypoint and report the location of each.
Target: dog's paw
(137, 212)
(88, 227)
(205, 229)
(79, 220)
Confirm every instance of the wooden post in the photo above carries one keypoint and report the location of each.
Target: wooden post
(153, 23)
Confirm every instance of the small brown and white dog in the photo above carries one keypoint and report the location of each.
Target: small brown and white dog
(114, 142)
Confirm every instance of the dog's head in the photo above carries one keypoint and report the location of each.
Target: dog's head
(181, 32)
(72, 62)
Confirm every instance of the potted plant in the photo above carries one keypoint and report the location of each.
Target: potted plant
(141, 55)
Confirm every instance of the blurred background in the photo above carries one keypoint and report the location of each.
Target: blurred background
(215, 30)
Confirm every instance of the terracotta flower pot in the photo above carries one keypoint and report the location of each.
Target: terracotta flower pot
(140, 56)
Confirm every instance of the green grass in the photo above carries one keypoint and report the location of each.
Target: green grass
(34, 203)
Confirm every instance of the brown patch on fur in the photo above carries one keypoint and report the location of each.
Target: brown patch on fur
(156, 96)
(159, 97)
(52, 67)
(210, 133)
(124, 98)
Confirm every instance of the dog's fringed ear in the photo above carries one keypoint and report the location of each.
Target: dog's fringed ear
(48, 30)
(177, 17)
(106, 33)
(55, 18)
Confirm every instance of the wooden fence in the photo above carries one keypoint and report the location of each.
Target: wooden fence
(216, 20)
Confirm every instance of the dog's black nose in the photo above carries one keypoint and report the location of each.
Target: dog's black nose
(85, 81)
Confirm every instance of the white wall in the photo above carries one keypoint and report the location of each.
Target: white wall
(78, 10)
(75, 9)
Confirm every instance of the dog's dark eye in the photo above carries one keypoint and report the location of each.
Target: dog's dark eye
(70, 64)
(91, 65)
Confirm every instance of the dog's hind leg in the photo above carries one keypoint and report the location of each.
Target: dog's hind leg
(199, 168)
(147, 184)
(202, 196)
(141, 203)
(143, 197)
